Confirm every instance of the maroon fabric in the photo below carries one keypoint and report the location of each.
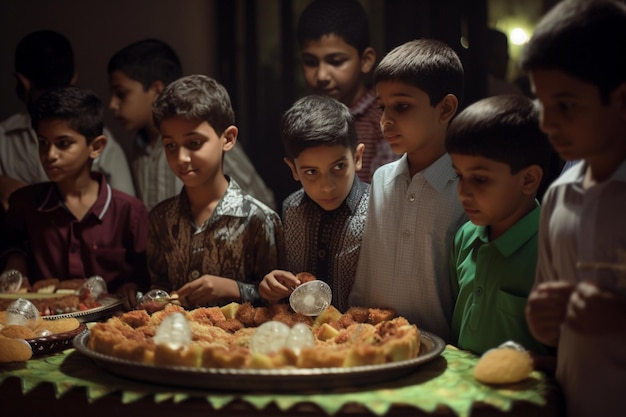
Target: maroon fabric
(109, 241)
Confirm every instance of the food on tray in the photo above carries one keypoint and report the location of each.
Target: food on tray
(221, 337)
(14, 338)
(66, 296)
(506, 364)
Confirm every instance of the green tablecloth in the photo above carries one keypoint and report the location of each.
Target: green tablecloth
(446, 381)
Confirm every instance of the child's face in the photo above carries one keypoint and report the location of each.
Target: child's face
(334, 68)
(63, 152)
(577, 122)
(130, 103)
(409, 123)
(490, 194)
(194, 151)
(326, 173)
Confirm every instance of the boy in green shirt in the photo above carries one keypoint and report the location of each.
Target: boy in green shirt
(500, 157)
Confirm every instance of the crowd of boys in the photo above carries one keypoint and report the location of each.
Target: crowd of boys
(454, 229)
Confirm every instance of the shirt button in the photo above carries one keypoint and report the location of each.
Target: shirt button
(479, 291)
(195, 274)
(412, 198)
(321, 254)
(406, 234)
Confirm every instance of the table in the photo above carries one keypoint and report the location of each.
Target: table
(70, 384)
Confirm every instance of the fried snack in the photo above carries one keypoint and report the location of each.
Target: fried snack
(503, 366)
(14, 350)
(219, 342)
(45, 285)
(58, 326)
(15, 331)
(305, 277)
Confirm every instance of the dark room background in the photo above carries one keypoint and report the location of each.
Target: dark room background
(249, 46)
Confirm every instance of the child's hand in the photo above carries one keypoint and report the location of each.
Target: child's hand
(594, 310)
(546, 310)
(277, 285)
(128, 293)
(209, 290)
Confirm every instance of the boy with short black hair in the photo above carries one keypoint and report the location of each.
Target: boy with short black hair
(576, 60)
(500, 157)
(323, 220)
(76, 225)
(137, 75)
(44, 60)
(337, 60)
(212, 243)
(413, 210)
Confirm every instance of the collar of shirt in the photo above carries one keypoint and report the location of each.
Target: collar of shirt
(576, 174)
(52, 199)
(351, 201)
(437, 175)
(514, 238)
(363, 103)
(230, 204)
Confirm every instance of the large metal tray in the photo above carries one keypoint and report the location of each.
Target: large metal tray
(264, 380)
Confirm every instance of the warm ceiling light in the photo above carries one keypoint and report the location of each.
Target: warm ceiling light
(518, 36)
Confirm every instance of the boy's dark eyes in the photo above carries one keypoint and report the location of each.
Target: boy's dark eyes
(340, 166)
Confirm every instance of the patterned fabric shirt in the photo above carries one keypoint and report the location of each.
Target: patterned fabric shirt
(411, 223)
(19, 156)
(587, 225)
(326, 243)
(242, 240)
(367, 123)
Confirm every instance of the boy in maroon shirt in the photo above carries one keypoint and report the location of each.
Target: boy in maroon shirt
(76, 225)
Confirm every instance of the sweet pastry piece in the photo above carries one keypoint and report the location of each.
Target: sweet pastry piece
(45, 286)
(14, 350)
(13, 344)
(503, 365)
(305, 277)
(221, 338)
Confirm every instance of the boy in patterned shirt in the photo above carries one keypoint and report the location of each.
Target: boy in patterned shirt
(323, 220)
(212, 243)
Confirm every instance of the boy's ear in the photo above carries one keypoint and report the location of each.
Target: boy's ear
(368, 59)
(157, 87)
(292, 167)
(448, 105)
(97, 146)
(531, 179)
(24, 82)
(230, 137)
(358, 156)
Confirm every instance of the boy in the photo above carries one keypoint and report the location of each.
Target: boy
(337, 59)
(76, 225)
(576, 60)
(413, 209)
(44, 60)
(500, 156)
(212, 243)
(323, 220)
(137, 75)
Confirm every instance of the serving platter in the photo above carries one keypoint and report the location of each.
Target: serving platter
(264, 380)
(46, 345)
(108, 305)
